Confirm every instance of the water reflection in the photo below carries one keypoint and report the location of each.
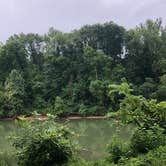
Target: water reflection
(94, 135)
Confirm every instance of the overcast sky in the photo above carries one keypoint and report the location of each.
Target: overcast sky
(37, 16)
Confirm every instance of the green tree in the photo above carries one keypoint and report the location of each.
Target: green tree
(108, 37)
(98, 90)
(99, 63)
(14, 94)
(2, 101)
(161, 90)
(144, 47)
(148, 88)
(34, 46)
(13, 55)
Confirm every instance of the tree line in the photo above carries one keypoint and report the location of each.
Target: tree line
(62, 73)
(49, 143)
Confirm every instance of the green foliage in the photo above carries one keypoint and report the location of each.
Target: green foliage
(148, 115)
(143, 112)
(118, 72)
(99, 63)
(145, 45)
(59, 107)
(38, 143)
(2, 101)
(155, 157)
(93, 110)
(83, 110)
(78, 66)
(12, 56)
(107, 37)
(14, 85)
(14, 94)
(161, 90)
(118, 150)
(117, 93)
(122, 89)
(99, 89)
(144, 140)
(147, 88)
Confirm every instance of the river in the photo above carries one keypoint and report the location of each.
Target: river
(92, 136)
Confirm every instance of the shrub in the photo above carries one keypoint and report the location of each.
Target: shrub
(147, 88)
(155, 157)
(118, 150)
(94, 110)
(40, 144)
(59, 107)
(144, 140)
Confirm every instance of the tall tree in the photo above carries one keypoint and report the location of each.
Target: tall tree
(108, 37)
(14, 93)
(12, 56)
(144, 46)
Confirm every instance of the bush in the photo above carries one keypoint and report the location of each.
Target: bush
(118, 150)
(89, 111)
(83, 110)
(155, 157)
(147, 88)
(40, 144)
(144, 140)
(59, 107)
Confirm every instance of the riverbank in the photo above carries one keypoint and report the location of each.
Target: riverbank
(85, 117)
(45, 117)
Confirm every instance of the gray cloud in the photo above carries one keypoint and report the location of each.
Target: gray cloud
(37, 16)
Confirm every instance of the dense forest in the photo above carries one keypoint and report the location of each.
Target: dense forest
(62, 73)
(101, 69)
